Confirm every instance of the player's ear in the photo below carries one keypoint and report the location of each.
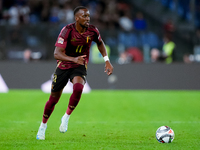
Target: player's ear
(76, 18)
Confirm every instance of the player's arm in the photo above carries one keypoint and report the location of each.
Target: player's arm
(59, 54)
(102, 50)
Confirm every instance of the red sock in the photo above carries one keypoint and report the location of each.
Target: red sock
(75, 97)
(49, 107)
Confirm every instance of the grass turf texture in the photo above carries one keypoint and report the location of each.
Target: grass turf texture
(103, 120)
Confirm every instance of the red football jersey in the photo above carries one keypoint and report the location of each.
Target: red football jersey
(76, 44)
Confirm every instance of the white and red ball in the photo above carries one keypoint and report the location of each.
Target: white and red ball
(165, 134)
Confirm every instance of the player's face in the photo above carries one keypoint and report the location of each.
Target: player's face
(83, 18)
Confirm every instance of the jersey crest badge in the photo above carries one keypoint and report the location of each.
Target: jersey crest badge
(88, 39)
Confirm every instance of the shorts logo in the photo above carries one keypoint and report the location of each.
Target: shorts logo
(60, 40)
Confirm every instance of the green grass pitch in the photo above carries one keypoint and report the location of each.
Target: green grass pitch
(103, 120)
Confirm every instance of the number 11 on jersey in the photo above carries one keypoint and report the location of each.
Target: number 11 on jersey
(79, 48)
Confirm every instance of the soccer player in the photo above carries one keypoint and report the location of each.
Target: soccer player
(72, 54)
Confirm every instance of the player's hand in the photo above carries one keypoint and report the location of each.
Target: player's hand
(80, 60)
(108, 68)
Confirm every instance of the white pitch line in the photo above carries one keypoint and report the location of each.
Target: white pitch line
(138, 122)
(120, 122)
(19, 122)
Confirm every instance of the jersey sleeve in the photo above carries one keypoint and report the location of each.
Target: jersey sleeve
(62, 37)
(97, 37)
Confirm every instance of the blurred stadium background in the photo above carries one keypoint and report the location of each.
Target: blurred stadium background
(147, 94)
(29, 29)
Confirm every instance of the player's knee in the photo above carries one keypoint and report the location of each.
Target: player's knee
(56, 94)
(53, 100)
(78, 88)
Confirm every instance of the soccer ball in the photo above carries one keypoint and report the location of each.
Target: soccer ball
(165, 134)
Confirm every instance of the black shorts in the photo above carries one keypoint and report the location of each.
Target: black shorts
(62, 76)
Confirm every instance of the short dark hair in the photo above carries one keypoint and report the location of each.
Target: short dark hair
(78, 8)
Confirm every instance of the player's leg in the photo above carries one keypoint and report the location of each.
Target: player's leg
(77, 77)
(48, 109)
(60, 79)
(78, 84)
